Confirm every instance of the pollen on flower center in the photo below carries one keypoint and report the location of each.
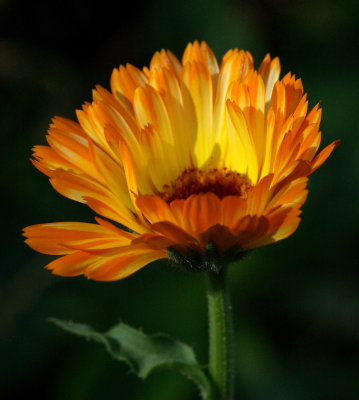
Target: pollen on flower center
(221, 182)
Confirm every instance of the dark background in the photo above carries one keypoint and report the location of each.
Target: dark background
(296, 303)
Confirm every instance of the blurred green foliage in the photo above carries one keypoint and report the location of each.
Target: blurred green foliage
(296, 303)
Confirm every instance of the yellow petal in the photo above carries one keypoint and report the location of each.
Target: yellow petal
(270, 71)
(198, 81)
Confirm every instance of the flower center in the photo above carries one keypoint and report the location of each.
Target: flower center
(221, 182)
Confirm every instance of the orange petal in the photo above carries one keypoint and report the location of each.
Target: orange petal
(166, 59)
(323, 155)
(201, 211)
(124, 82)
(250, 229)
(270, 71)
(150, 109)
(234, 68)
(119, 267)
(219, 235)
(74, 149)
(104, 268)
(281, 223)
(175, 234)
(294, 192)
(298, 169)
(294, 92)
(201, 53)
(255, 113)
(154, 208)
(72, 264)
(47, 160)
(258, 197)
(232, 208)
(153, 241)
(58, 238)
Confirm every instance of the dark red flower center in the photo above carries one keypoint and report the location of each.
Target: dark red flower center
(221, 182)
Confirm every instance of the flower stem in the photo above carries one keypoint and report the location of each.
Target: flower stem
(220, 334)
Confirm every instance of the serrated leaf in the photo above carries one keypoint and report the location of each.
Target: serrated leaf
(145, 353)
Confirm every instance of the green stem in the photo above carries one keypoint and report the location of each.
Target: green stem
(220, 334)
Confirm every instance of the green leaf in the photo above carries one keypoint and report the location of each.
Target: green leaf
(145, 353)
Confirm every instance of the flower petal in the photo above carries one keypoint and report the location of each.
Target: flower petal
(58, 238)
(323, 155)
(270, 71)
(197, 79)
(104, 268)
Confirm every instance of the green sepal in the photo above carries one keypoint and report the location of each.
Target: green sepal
(191, 260)
(145, 353)
(212, 259)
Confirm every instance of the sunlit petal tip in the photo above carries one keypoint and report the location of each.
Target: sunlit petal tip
(324, 154)
(180, 157)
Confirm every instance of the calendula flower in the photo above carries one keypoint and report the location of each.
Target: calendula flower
(188, 156)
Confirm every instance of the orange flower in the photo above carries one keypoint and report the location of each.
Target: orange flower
(185, 155)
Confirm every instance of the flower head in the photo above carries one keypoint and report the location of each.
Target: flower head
(185, 155)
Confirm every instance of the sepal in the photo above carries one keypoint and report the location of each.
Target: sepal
(211, 260)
